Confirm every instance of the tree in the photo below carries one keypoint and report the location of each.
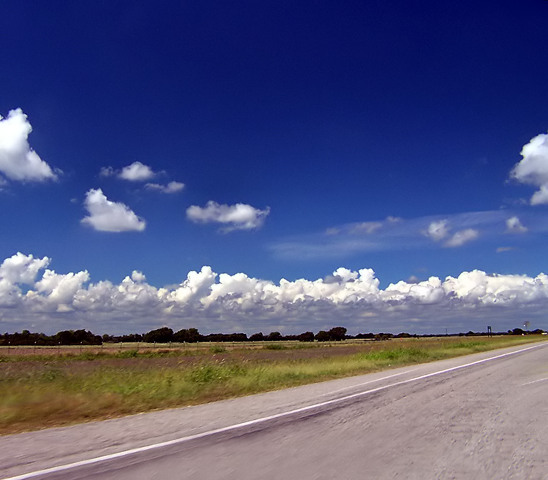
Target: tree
(160, 335)
(306, 337)
(337, 333)
(190, 335)
(274, 336)
(132, 337)
(77, 337)
(383, 336)
(369, 335)
(322, 336)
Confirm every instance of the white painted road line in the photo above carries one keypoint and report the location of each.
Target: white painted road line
(534, 381)
(257, 421)
(368, 383)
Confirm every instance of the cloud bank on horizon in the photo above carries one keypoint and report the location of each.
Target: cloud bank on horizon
(223, 302)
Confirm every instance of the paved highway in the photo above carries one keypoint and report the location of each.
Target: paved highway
(483, 416)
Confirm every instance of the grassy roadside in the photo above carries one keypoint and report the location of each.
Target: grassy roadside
(43, 391)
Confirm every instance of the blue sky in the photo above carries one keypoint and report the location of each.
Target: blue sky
(278, 140)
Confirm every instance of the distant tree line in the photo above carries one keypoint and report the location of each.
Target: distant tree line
(192, 335)
(65, 337)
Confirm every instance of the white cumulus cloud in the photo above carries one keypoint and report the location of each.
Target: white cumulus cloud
(237, 217)
(440, 230)
(108, 216)
(22, 268)
(16, 270)
(138, 277)
(171, 187)
(540, 196)
(437, 230)
(533, 168)
(136, 172)
(514, 225)
(458, 239)
(18, 161)
(58, 291)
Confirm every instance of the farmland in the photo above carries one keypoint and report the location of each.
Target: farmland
(42, 387)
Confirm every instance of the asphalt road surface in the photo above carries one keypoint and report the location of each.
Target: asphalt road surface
(484, 416)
